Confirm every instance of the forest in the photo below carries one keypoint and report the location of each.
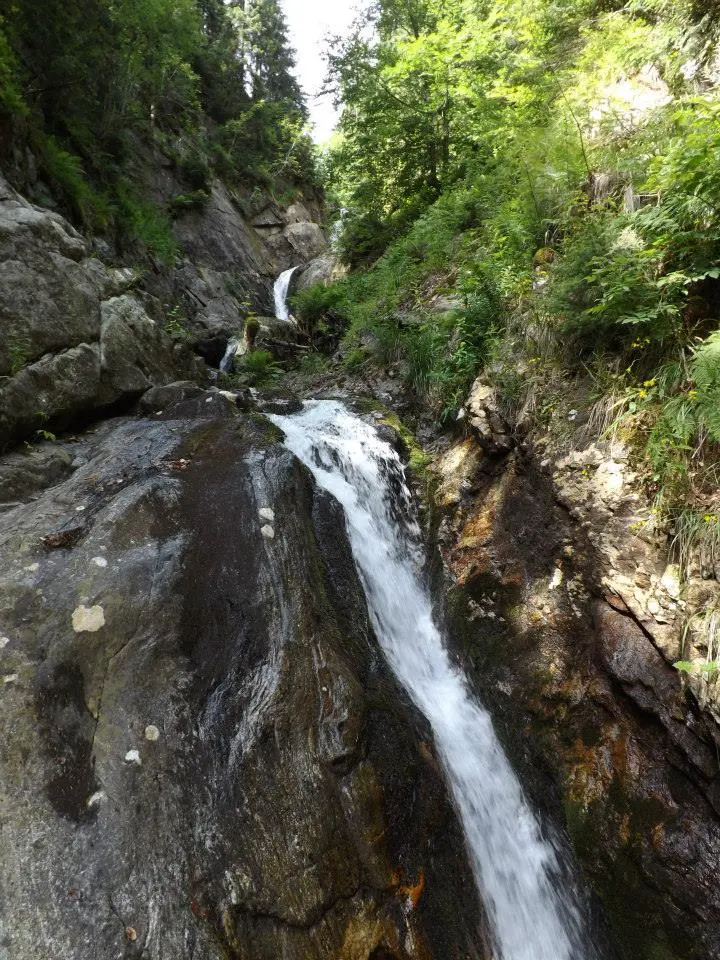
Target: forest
(549, 170)
(102, 92)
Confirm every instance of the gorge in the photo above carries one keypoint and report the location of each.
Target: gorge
(358, 508)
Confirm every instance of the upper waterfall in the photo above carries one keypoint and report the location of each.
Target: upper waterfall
(280, 292)
(533, 912)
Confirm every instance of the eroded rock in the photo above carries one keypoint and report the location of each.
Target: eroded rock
(293, 805)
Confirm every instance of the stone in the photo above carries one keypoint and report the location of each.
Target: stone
(68, 343)
(306, 239)
(88, 619)
(492, 431)
(266, 513)
(152, 733)
(324, 807)
(321, 269)
(158, 399)
(267, 531)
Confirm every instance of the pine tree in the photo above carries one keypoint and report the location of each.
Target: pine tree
(269, 58)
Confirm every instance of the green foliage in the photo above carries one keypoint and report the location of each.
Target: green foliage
(312, 363)
(506, 156)
(106, 84)
(174, 326)
(196, 200)
(18, 347)
(145, 223)
(696, 667)
(11, 96)
(260, 367)
(311, 305)
(65, 174)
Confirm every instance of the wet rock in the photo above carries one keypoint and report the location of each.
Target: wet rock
(289, 807)
(582, 690)
(160, 398)
(28, 471)
(274, 401)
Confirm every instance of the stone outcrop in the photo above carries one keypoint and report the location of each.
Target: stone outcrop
(570, 618)
(77, 336)
(483, 414)
(321, 269)
(202, 752)
(73, 336)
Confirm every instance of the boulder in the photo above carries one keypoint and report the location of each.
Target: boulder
(202, 750)
(484, 416)
(72, 338)
(306, 239)
(321, 269)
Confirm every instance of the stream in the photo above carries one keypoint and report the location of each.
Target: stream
(532, 913)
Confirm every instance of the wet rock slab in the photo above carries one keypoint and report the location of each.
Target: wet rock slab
(202, 752)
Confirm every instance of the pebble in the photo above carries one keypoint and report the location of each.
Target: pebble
(268, 532)
(4, 641)
(88, 619)
(32, 567)
(152, 733)
(266, 513)
(11, 677)
(133, 756)
(99, 561)
(95, 799)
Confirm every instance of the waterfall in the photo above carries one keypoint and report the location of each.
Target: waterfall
(280, 292)
(532, 913)
(226, 364)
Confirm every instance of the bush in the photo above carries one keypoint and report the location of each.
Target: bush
(145, 223)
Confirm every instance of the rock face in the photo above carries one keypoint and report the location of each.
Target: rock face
(72, 339)
(321, 269)
(231, 257)
(202, 752)
(570, 618)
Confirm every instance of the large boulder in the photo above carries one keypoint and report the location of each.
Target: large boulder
(73, 339)
(202, 751)
(321, 269)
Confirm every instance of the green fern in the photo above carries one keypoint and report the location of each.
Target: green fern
(706, 374)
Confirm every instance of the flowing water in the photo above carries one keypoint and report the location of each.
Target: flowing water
(226, 364)
(532, 911)
(280, 292)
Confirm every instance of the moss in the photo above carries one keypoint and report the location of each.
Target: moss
(270, 432)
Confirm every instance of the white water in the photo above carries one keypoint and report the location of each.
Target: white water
(226, 364)
(516, 869)
(280, 292)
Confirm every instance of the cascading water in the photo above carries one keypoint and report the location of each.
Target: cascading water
(280, 292)
(226, 364)
(518, 872)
